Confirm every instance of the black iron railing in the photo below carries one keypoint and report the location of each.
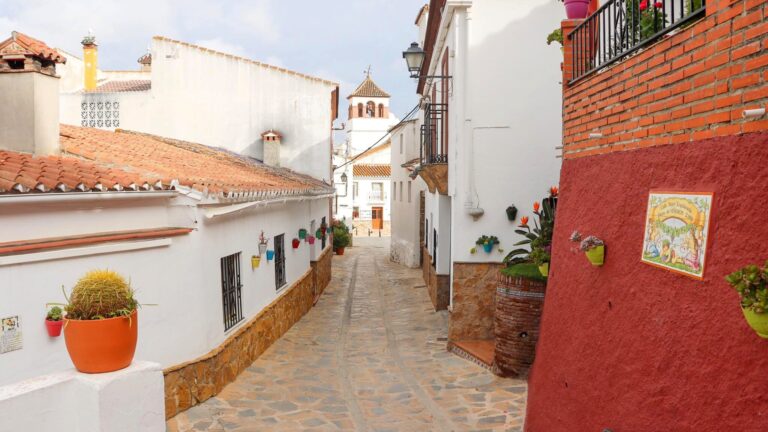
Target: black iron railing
(621, 27)
(434, 143)
(231, 290)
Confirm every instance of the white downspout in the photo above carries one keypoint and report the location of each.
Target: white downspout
(471, 201)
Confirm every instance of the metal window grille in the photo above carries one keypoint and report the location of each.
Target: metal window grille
(324, 223)
(279, 261)
(434, 247)
(621, 27)
(434, 146)
(231, 290)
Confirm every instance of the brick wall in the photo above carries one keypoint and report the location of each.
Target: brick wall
(691, 85)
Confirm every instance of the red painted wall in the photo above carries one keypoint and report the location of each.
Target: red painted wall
(634, 348)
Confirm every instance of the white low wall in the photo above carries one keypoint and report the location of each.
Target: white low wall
(129, 400)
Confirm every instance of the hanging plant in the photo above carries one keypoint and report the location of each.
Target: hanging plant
(751, 282)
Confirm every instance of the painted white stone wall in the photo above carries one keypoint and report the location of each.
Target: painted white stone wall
(180, 275)
(406, 223)
(503, 129)
(223, 101)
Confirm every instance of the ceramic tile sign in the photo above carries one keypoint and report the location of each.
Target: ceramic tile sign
(677, 231)
(10, 338)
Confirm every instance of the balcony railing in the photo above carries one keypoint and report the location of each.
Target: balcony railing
(376, 196)
(434, 142)
(621, 27)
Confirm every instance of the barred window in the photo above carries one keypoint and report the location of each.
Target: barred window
(231, 290)
(279, 261)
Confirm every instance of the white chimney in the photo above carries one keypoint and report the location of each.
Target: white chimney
(29, 96)
(271, 141)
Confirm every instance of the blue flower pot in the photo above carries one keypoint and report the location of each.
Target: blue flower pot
(488, 247)
(270, 255)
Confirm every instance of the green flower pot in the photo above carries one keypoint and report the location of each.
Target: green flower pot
(596, 255)
(302, 233)
(544, 269)
(758, 322)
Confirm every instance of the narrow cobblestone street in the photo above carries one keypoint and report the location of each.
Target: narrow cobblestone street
(369, 357)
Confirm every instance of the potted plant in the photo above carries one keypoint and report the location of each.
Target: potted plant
(270, 255)
(311, 239)
(487, 242)
(340, 237)
(512, 213)
(295, 243)
(262, 244)
(255, 261)
(594, 248)
(54, 321)
(302, 234)
(538, 238)
(751, 282)
(101, 325)
(577, 9)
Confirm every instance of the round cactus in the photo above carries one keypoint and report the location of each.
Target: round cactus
(101, 294)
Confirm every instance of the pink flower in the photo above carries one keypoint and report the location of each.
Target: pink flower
(658, 5)
(644, 5)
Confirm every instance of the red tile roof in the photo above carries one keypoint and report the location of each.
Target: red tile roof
(19, 43)
(122, 86)
(97, 160)
(371, 170)
(368, 88)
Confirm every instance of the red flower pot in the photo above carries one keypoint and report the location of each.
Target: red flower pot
(311, 239)
(54, 327)
(340, 251)
(296, 243)
(576, 9)
(98, 346)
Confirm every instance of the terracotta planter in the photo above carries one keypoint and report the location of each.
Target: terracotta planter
(519, 303)
(758, 322)
(576, 9)
(340, 251)
(99, 346)
(596, 255)
(53, 327)
(295, 242)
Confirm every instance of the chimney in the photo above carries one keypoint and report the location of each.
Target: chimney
(29, 95)
(271, 141)
(91, 61)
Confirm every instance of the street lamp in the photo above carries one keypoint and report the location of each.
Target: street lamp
(414, 57)
(343, 177)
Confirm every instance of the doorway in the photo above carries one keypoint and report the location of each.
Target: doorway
(377, 218)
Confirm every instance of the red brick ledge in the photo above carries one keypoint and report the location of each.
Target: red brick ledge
(30, 246)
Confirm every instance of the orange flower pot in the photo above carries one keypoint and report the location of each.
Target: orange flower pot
(98, 346)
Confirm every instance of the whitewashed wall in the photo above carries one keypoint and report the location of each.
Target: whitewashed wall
(181, 277)
(406, 224)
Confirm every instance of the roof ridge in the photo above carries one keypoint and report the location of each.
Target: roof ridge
(368, 88)
(256, 62)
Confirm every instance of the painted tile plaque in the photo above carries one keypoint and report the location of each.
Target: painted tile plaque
(10, 338)
(677, 231)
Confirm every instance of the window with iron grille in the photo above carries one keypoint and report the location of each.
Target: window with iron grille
(324, 223)
(434, 247)
(279, 261)
(230, 290)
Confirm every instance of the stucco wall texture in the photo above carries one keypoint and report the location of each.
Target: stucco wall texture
(630, 347)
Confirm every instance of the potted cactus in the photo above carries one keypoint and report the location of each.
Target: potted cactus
(101, 324)
(54, 321)
(751, 282)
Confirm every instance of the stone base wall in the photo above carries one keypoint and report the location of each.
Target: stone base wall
(193, 382)
(321, 271)
(438, 286)
(474, 301)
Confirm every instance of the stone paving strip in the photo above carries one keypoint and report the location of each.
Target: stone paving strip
(369, 357)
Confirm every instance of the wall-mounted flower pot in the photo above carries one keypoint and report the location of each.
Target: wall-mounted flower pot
(488, 247)
(311, 240)
(302, 233)
(512, 213)
(262, 249)
(758, 322)
(576, 9)
(98, 346)
(323, 231)
(340, 251)
(53, 327)
(544, 269)
(255, 261)
(295, 243)
(596, 255)
(270, 255)
(319, 234)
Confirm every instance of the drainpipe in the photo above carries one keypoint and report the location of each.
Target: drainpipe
(471, 201)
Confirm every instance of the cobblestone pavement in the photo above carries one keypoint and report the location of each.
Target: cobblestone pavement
(369, 357)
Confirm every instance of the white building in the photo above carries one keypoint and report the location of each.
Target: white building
(181, 220)
(192, 93)
(408, 196)
(362, 177)
(488, 142)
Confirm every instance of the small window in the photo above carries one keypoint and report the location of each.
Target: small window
(354, 190)
(381, 110)
(401, 143)
(401, 191)
(409, 191)
(280, 281)
(370, 109)
(231, 290)
(394, 191)
(325, 224)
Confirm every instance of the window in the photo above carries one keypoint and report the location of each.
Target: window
(360, 110)
(377, 192)
(354, 190)
(370, 109)
(401, 143)
(409, 191)
(279, 241)
(401, 191)
(434, 246)
(323, 222)
(426, 234)
(394, 191)
(381, 110)
(230, 290)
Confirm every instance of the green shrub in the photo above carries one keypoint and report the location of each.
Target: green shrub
(524, 270)
(751, 282)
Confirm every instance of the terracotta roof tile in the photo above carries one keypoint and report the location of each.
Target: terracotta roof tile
(371, 170)
(368, 88)
(30, 46)
(122, 86)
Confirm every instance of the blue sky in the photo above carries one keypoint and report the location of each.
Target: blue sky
(333, 39)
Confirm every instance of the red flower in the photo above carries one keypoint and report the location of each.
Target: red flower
(524, 221)
(536, 206)
(658, 5)
(644, 5)
(554, 191)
